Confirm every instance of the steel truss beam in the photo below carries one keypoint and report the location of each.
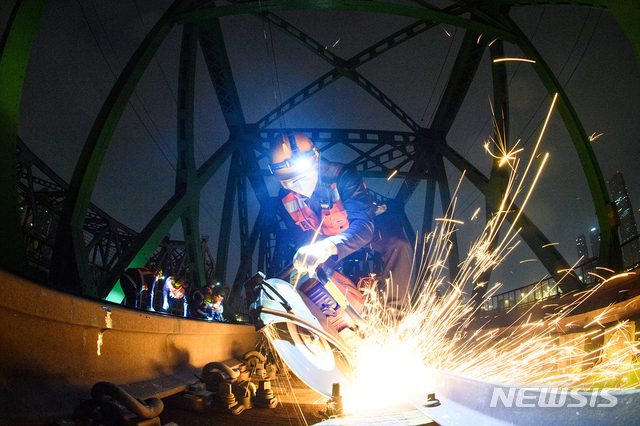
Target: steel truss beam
(217, 60)
(498, 179)
(460, 79)
(342, 67)
(384, 152)
(186, 179)
(42, 192)
(444, 16)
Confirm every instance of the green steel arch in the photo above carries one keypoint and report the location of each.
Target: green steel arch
(70, 268)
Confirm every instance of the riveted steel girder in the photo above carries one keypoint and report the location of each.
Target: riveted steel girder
(464, 69)
(541, 246)
(498, 179)
(344, 68)
(215, 56)
(444, 16)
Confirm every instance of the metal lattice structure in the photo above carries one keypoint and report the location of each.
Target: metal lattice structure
(41, 193)
(418, 154)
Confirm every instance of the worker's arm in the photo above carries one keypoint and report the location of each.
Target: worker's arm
(357, 203)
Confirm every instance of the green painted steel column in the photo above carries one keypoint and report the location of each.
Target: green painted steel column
(69, 265)
(445, 201)
(610, 252)
(186, 178)
(148, 240)
(15, 48)
(224, 238)
(498, 178)
(548, 255)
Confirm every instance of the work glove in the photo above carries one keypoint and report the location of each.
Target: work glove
(308, 258)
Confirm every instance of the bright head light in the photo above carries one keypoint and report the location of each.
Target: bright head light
(300, 162)
(303, 164)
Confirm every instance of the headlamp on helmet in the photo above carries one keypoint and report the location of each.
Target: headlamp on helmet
(292, 154)
(208, 299)
(300, 163)
(176, 283)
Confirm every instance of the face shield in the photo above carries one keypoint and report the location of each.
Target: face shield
(304, 184)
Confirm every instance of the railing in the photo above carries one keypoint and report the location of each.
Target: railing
(631, 253)
(547, 288)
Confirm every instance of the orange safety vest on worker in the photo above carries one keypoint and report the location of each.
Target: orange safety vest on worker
(177, 293)
(333, 212)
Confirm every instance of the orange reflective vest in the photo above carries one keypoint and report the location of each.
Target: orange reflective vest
(177, 293)
(333, 212)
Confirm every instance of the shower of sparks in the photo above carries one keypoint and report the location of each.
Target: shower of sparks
(442, 327)
(514, 59)
(475, 214)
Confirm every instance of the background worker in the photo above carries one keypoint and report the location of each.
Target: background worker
(316, 191)
(207, 302)
(173, 290)
(214, 302)
(135, 281)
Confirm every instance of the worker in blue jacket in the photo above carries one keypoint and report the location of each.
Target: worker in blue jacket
(332, 196)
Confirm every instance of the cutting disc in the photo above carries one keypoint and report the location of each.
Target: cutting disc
(312, 357)
(303, 336)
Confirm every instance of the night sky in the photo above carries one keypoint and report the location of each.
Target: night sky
(82, 45)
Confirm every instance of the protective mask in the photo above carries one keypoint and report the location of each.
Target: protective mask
(303, 185)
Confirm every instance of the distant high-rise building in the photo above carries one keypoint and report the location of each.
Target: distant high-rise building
(628, 229)
(594, 241)
(620, 196)
(581, 245)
